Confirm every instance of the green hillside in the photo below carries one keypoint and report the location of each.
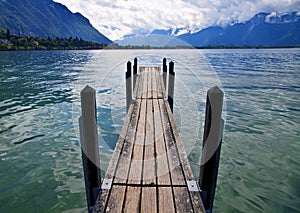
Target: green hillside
(45, 18)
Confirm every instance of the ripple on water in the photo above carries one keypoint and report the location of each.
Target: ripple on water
(259, 170)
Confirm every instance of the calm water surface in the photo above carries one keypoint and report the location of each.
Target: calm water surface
(40, 160)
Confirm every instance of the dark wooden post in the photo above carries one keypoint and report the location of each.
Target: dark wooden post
(135, 68)
(165, 72)
(211, 147)
(89, 145)
(171, 85)
(128, 86)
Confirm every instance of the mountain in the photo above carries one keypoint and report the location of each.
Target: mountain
(45, 18)
(152, 40)
(264, 29)
(204, 37)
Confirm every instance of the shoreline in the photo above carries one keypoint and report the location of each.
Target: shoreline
(149, 48)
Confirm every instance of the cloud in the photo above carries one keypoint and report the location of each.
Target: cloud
(121, 17)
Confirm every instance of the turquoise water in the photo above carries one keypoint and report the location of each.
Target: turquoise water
(40, 159)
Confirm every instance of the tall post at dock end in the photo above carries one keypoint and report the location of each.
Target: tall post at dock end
(165, 72)
(211, 147)
(135, 68)
(89, 145)
(171, 85)
(128, 86)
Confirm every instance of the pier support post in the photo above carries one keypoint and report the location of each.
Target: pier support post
(165, 72)
(171, 85)
(89, 145)
(128, 86)
(211, 147)
(135, 68)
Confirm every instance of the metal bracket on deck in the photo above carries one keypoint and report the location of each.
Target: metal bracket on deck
(193, 186)
(106, 184)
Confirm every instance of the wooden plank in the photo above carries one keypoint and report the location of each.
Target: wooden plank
(150, 85)
(163, 173)
(149, 200)
(137, 86)
(145, 89)
(142, 81)
(177, 177)
(101, 201)
(110, 172)
(160, 87)
(132, 199)
(149, 173)
(135, 174)
(165, 200)
(125, 157)
(197, 202)
(195, 196)
(181, 151)
(116, 199)
(182, 199)
(140, 86)
(154, 85)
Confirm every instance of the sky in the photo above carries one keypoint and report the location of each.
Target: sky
(117, 18)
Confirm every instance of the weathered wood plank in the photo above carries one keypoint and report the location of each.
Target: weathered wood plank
(154, 84)
(197, 202)
(135, 174)
(159, 85)
(125, 157)
(163, 173)
(150, 75)
(149, 81)
(149, 173)
(181, 151)
(195, 196)
(177, 177)
(145, 84)
(182, 200)
(116, 199)
(139, 88)
(110, 172)
(132, 199)
(138, 83)
(149, 200)
(165, 200)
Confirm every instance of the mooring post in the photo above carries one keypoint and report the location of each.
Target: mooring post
(211, 147)
(128, 86)
(89, 145)
(171, 85)
(135, 68)
(165, 72)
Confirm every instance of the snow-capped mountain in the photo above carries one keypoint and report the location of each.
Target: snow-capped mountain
(264, 29)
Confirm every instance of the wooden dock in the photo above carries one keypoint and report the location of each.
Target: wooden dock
(149, 170)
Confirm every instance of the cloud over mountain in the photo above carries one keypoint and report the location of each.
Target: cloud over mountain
(121, 17)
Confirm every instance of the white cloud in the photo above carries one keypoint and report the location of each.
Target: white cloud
(118, 18)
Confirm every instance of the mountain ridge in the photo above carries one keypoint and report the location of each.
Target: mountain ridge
(46, 18)
(263, 29)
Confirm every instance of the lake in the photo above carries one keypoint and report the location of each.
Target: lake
(40, 157)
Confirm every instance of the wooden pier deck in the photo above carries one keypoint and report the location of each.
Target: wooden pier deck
(149, 170)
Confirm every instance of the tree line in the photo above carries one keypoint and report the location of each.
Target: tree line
(15, 42)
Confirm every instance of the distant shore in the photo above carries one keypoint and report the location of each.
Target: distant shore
(10, 42)
(16, 43)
